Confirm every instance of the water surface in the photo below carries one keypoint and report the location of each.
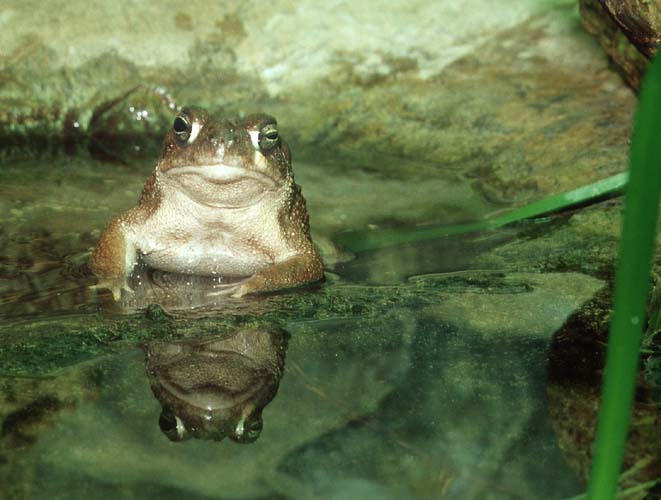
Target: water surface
(417, 371)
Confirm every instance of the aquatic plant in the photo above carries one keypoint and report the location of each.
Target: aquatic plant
(639, 228)
(610, 186)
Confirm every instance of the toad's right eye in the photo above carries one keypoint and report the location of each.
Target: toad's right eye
(184, 130)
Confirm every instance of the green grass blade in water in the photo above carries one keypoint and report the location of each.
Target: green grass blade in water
(585, 194)
(359, 242)
(631, 286)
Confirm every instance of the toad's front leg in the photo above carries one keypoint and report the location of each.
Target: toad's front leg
(114, 256)
(293, 272)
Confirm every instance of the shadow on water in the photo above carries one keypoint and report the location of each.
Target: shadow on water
(575, 370)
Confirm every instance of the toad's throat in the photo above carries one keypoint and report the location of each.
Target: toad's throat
(222, 174)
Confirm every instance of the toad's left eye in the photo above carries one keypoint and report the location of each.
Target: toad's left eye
(269, 137)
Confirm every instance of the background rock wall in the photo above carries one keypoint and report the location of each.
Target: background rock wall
(513, 97)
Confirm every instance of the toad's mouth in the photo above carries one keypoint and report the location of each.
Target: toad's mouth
(223, 175)
(222, 186)
(210, 398)
(214, 394)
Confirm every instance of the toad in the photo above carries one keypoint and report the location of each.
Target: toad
(222, 201)
(216, 387)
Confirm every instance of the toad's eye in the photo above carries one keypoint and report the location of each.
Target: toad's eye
(269, 137)
(184, 130)
(172, 426)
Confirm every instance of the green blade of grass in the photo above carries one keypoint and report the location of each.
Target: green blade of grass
(359, 242)
(631, 286)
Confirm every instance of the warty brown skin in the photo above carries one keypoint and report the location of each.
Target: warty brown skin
(216, 387)
(221, 201)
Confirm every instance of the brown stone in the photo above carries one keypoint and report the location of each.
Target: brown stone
(628, 30)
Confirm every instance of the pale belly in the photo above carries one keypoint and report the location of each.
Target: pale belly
(204, 258)
(184, 237)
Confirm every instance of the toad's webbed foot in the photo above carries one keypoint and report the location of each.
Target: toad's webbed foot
(291, 273)
(115, 285)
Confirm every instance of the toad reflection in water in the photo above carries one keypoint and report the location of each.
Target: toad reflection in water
(214, 387)
(222, 202)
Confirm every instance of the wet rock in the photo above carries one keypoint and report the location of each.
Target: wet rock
(130, 126)
(640, 21)
(515, 102)
(527, 305)
(629, 31)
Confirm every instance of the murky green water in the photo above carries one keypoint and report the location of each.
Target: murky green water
(418, 371)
